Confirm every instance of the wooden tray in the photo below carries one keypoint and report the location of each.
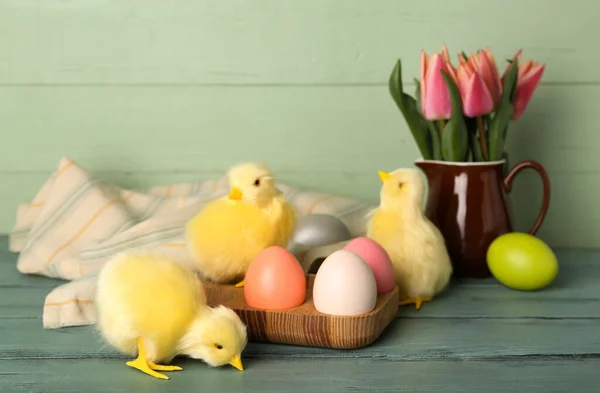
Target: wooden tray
(304, 325)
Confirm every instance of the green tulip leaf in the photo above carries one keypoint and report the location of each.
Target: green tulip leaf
(411, 112)
(509, 88)
(434, 133)
(455, 143)
(418, 94)
(475, 147)
(435, 141)
(501, 119)
(474, 143)
(498, 129)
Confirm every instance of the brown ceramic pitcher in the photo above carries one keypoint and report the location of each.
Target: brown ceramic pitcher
(468, 201)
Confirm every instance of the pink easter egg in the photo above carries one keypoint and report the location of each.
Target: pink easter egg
(378, 260)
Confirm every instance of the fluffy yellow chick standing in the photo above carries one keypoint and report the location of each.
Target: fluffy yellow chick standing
(422, 266)
(153, 306)
(227, 234)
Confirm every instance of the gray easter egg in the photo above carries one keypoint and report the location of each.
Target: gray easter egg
(318, 230)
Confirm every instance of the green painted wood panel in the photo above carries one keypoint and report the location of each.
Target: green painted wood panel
(279, 42)
(332, 139)
(142, 93)
(331, 129)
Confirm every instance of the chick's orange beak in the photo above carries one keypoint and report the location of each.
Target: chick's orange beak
(236, 361)
(235, 194)
(384, 176)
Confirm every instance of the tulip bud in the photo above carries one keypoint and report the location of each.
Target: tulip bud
(529, 76)
(435, 97)
(476, 96)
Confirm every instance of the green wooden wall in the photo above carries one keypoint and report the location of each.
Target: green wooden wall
(147, 92)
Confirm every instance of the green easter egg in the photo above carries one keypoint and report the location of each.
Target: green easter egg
(522, 261)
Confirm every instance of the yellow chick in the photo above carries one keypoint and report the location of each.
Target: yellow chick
(151, 305)
(422, 266)
(228, 233)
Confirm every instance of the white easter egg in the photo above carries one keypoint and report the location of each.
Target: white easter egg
(344, 285)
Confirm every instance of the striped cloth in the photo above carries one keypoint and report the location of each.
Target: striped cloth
(77, 222)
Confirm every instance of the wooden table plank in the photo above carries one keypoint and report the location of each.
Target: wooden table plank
(407, 339)
(478, 336)
(308, 375)
(10, 277)
(508, 322)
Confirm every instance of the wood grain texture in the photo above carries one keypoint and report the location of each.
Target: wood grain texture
(309, 375)
(477, 336)
(304, 325)
(412, 339)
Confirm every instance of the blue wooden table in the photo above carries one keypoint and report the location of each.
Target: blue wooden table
(478, 337)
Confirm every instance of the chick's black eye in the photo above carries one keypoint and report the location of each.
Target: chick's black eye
(257, 182)
(400, 185)
(218, 346)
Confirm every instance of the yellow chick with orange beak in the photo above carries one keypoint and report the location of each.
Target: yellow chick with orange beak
(152, 306)
(422, 266)
(228, 233)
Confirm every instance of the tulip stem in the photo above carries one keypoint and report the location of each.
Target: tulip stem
(435, 141)
(442, 125)
(482, 138)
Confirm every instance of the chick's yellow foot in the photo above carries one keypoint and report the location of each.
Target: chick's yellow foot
(240, 284)
(144, 365)
(417, 301)
(160, 367)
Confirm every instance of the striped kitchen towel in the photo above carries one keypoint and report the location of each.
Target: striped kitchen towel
(77, 222)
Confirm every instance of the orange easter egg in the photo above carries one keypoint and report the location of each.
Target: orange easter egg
(275, 280)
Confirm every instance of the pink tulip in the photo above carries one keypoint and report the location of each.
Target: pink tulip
(475, 93)
(435, 96)
(528, 78)
(485, 65)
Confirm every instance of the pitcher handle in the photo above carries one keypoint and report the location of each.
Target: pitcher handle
(546, 181)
